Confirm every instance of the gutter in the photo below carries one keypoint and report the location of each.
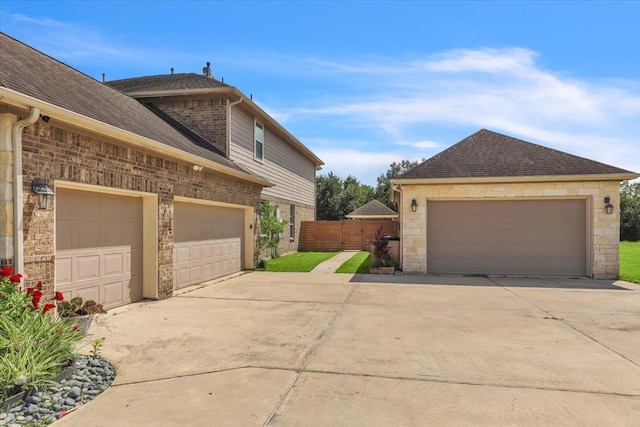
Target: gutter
(19, 100)
(229, 105)
(18, 199)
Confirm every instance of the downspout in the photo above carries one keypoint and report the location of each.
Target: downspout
(231, 104)
(18, 235)
(398, 189)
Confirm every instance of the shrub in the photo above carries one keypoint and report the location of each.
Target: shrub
(35, 345)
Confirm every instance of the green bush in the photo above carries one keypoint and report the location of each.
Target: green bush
(35, 345)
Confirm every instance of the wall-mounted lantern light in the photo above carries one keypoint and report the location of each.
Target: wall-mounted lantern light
(608, 207)
(414, 205)
(45, 194)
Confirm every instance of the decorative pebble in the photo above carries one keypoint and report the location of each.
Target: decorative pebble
(91, 377)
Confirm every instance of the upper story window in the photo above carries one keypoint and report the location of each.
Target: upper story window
(258, 147)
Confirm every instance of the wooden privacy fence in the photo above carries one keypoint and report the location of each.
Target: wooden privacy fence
(328, 236)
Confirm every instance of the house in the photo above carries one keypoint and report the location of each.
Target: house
(241, 131)
(140, 207)
(373, 210)
(493, 204)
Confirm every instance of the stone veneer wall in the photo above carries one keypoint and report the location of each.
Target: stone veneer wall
(206, 117)
(303, 213)
(55, 153)
(604, 236)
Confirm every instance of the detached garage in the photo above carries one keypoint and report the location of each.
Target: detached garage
(496, 205)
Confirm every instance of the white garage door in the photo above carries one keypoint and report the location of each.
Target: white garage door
(532, 237)
(208, 243)
(99, 247)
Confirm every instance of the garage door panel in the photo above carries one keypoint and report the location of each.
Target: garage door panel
(99, 246)
(208, 238)
(532, 237)
(112, 292)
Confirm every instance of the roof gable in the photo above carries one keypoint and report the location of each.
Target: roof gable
(373, 209)
(26, 70)
(489, 154)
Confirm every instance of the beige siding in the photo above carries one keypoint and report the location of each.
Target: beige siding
(292, 174)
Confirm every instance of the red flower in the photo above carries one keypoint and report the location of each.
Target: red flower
(16, 278)
(30, 291)
(35, 300)
(59, 296)
(7, 271)
(48, 307)
(39, 286)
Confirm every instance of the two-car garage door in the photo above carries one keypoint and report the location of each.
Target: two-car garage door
(531, 237)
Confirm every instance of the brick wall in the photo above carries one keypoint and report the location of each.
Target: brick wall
(55, 153)
(604, 229)
(206, 117)
(302, 213)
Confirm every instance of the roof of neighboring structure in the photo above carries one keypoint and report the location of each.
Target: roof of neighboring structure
(30, 72)
(490, 154)
(183, 84)
(373, 209)
(165, 82)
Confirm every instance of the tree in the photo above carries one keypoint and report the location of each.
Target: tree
(383, 190)
(270, 228)
(328, 197)
(336, 198)
(630, 212)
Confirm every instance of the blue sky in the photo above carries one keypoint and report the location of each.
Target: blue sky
(366, 83)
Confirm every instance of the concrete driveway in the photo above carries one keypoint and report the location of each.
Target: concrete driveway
(300, 349)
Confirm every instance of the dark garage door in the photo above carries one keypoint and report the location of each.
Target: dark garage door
(532, 237)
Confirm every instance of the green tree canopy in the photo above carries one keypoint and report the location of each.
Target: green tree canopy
(383, 189)
(630, 212)
(337, 197)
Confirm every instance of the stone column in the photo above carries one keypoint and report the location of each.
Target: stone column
(6, 188)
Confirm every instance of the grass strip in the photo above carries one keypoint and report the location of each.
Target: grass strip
(298, 261)
(630, 261)
(359, 263)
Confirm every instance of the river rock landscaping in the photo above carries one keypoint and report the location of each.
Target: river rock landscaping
(91, 376)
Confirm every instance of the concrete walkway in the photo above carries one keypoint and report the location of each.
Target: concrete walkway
(300, 349)
(332, 264)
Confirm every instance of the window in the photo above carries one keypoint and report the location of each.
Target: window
(292, 222)
(258, 148)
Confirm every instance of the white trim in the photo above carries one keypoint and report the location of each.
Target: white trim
(519, 179)
(257, 124)
(149, 230)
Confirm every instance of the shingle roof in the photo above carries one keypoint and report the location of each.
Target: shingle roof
(490, 154)
(32, 73)
(180, 81)
(373, 209)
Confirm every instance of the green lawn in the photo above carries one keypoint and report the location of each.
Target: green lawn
(359, 263)
(630, 261)
(299, 261)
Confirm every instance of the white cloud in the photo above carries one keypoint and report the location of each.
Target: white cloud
(499, 89)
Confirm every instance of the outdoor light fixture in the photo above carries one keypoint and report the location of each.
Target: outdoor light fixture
(198, 168)
(44, 193)
(608, 207)
(45, 118)
(414, 205)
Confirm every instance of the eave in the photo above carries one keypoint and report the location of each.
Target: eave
(515, 179)
(24, 102)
